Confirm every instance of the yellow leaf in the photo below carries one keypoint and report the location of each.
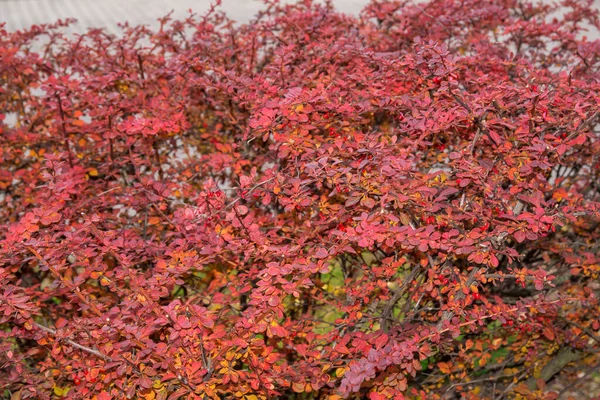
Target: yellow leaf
(92, 172)
(60, 392)
(340, 372)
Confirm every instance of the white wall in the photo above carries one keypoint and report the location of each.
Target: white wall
(19, 14)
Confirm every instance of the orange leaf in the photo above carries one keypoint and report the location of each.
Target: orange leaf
(548, 333)
(153, 221)
(444, 367)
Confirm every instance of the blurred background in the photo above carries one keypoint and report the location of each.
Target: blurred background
(19, 14)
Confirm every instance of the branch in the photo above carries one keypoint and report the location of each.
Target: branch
(575, 383)
(583, 126)
(484, 318)
(447, 315)
(75, 344)
(558, 362)
(387, 312)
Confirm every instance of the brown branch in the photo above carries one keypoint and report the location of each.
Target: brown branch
(583, 126)
(555, 365)
(75, 344)
(65, 282)
(578, 381)
(448, 315)
(386, 315)
(64, 130)
(484, 318)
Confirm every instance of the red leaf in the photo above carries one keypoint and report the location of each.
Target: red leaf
(274, 301)
(352, 201)
(495, 137)
(520, 236)
(145, 382)
(580, 139)
(381, 340)
(321, 253)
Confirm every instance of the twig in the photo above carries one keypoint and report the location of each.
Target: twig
(65, 282)
(562, 358)
(584, 125)
(75, 344)
(447, 315)
(485, 317)
(64, 130)
(387, 312)
(583, 328)
(234, 202)
(575, 383)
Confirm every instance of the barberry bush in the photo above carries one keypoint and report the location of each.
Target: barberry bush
(402, 204)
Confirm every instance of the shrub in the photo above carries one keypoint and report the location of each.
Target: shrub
(309, 205)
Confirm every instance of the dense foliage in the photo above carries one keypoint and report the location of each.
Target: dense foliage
(310, 205)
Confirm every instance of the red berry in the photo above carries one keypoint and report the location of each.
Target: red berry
(92, 380)
(444, 281)
(476, 296)
(458, 181)
(437, 80)
(76, 381)
(430, 220)
(485, 227)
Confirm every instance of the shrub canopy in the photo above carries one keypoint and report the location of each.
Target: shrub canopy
(309, 205)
